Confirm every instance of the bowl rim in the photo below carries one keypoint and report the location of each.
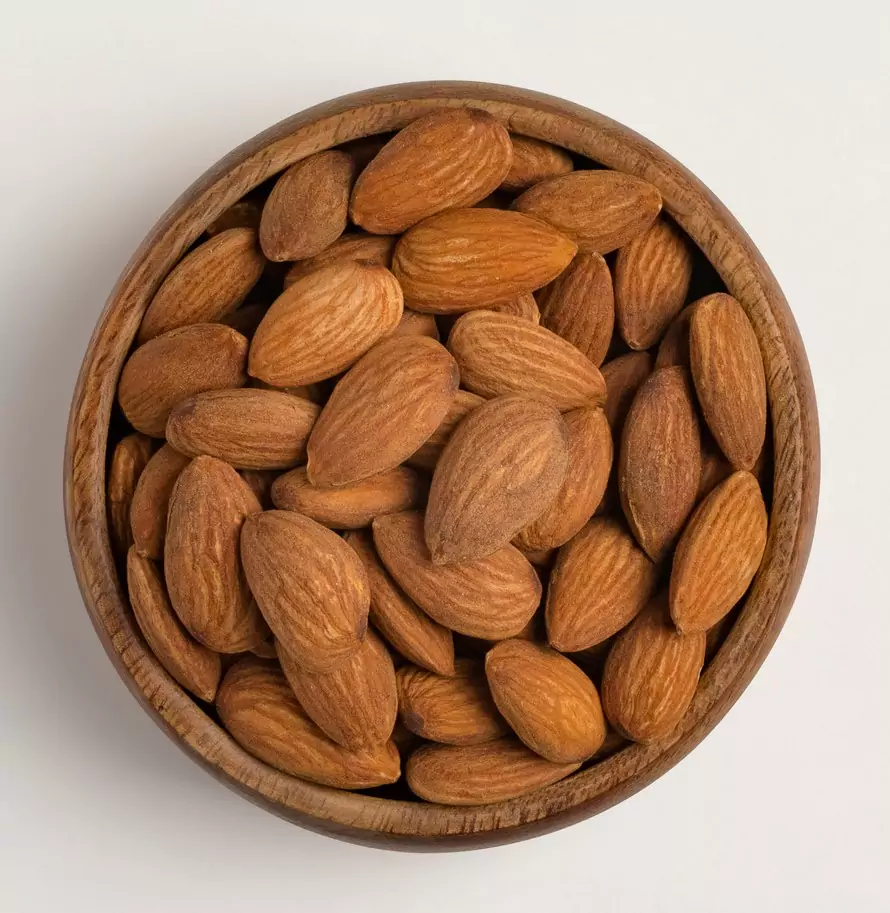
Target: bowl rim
(392, 823)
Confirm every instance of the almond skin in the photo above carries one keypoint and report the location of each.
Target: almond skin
(310, 585)
(501, 469)
(249, 429)
(673, 350)
(444, 160)
(429, 452)
(600, 210)
(479, 774)
(534, 161)
(500, 354)
(414, 323)
(350, 506)
(601, 580)
(131, 455)
(492, 598)
(356, 704)
(660, 461)
(729, 377)
(457, 710)
(350, 247)
(258, 708)
(548, 701)
(193, 666)
(206, 582)
(718, 554)
(206, 284)
(652, 275)
(523, 306)
(471, 258)
(306, 210)
(382, 410)
(179, 364)
(324, 323)
(651, 674)
(148, 513)
(623, 376)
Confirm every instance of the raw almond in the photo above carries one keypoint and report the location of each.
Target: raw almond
(148, 513)
(131, 455)
(246, 319)
(714, 467)
(350, 247)
(429, 452)
(523, 306)
(364, 149)
(673, 350)
(623, 376)
(260, 482)
(266, 650)
(243, 214)
(542, 557)
(534, 161)
(414, 323)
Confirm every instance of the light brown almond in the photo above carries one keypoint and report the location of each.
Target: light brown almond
(414, 323)
(352, 247)
(246, 319)
(429, 452)
(534, 161)
(243, 214)
(148, 513)
(673, 350)
(542, 558)
(131, 455)
(523, 306)
(623, 376)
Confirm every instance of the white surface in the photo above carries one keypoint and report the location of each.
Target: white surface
(111, 109)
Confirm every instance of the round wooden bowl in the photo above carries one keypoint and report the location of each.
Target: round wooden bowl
(415, 825)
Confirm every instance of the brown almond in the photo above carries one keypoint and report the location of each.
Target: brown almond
(673, 350)
(523, 306)
(623, 376)
(534, 161)
(243, 214)
(131, 455)
(246, 319)
(350, 247)
(542, 558)
(260, 482)
(148, 513)
(414, 323)
(714, 467)
(266, 650)
(429, 452)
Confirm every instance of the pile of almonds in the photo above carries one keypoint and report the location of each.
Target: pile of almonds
(385, 525)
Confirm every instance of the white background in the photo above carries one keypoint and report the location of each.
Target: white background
(109, 110)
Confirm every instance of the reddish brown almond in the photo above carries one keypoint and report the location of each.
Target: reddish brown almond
(579, 306)
(382, 411)
(258, 708)
(499, 354)
(548, 701)
(523, 306)
(623, 376)
(246, 319)
(131, 455)
(652, 275)
(479, 774)
(206, 582)
(660, 462)
(534, 161)
(179, 364)
(207, 284)
(310, 585)
(601, 210)
(266, 650)
(364, 149)
(306, 210)
(542, 558)
(471, 258)
(350, 247)
(492, 597)
(193, 666)
(243, 214)
(501, 469)
(445, 160)
(249, 429)
(729, 377)
(260, 482)
(416, 324)
(429, 452)
(651, 675)
(148, 513)
(714, 468)
(718, 554)
(674, 347)
(600, 582)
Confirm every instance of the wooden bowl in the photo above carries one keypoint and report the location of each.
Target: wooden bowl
(405, 824)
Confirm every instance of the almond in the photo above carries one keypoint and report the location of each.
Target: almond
(651, 675)
(350, 247)
(260, 482)
(249, 429)
(660, 461)
(306, 210)
(414, 323)
(258, 708)
(364, 149)
(429, 452)
(470, 258)
(523, 306)
(206, 284)
(600, 582)
(673, 350)
(382, 410)
(131, 455)
(502, 467)
(600, 210)
(148, 513)
(542, 557)
(499, 354)
(246, 319)
(623, 376)
(310, 585)
(492, 597)
(718, 554)
(534, 161)
(729, 377)
(179, 364)
(205, 579)
(265, 650)
(714, 467)
(548, 701)
(243, 214)
(444, 160)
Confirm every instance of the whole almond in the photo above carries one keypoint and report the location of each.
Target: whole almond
(673, 350)
(501, 469)
(444, 160)
(492, 597)
(600, 582)
(206, 284)
(499, 354)
(181, 363)
(714, 467)
(148, 513)
(414, 323)
(243, 214)
(246, 319)
(247, 428)
(429, 452)
(258, 708)
(652, 275)
(579, 306)
(651, 675)
(356, 704)
(543, 557)
(364, 149)
(523, 306)
(623, 376)
(266, 650)
(718, 554)
(534, 161)
(600, 210)
(306, 210)
(660, 461)
(206, 582)
(350, 247)
(471, 258)
(729, 377)
(131, 455)
(382, 410)
(260, 482)
(548, 701)
(310, 585)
